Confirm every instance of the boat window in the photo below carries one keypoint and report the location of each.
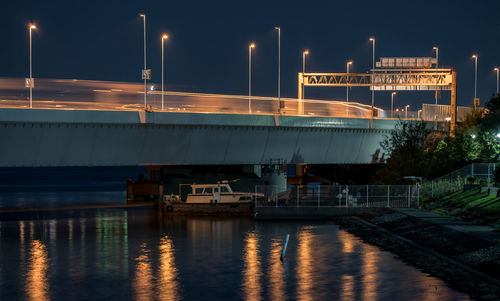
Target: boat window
(208, 190)
(224, 189)
(198, 190)
(216, 189)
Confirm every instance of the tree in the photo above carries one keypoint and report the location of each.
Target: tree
(406, 146)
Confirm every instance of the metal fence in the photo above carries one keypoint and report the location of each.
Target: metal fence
(432, 112)
(455, 180)
(393, 196)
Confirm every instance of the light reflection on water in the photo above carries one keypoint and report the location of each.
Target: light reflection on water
(167, 279)
(251, 272)
(37, 284)
(119, 254)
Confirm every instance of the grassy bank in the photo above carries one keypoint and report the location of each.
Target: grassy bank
(471, 205)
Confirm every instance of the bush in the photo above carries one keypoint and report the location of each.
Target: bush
(471, 180)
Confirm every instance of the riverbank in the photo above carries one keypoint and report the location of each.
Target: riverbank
(463, 255)
(475, 205)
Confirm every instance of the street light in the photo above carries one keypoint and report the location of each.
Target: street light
(31, 27)
(145, 72)
(163, 38)
(406, 111)
(418, 114)
(304, 53)
(475, 78)
(279, 67)
(347, 88)
(496, 69)
(250, 47)
(392, 102)
(373, 67)
(437, 57)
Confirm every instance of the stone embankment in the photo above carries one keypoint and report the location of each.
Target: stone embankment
(466, 256)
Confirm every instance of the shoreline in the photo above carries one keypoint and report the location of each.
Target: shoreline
(436, 246)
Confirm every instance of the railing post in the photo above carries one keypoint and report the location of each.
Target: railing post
(255, 196)
(346, 195)
(340, 193)
(275, 196)
(418, 196)
(489, 174)
(366, 196)
(297, 195)
(432, 188)
(409, 196)
(319, 195)
(388, 196)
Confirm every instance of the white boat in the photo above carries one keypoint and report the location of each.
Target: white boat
(218, 193)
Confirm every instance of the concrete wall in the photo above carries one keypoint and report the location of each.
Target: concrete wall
(111, 138)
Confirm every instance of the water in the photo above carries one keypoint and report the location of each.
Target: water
(129, 254)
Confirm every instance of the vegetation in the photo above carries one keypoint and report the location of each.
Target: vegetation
(415, 150)
(471, 205)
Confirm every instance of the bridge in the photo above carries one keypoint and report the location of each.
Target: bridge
(94, 123)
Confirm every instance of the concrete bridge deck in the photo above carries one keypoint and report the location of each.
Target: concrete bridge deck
(35, 137)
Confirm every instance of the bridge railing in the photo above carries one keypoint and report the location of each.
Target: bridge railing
(367, 196)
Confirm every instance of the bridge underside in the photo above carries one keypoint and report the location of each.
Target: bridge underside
(35, 138)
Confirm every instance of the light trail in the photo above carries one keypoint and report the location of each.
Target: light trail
(73, 94)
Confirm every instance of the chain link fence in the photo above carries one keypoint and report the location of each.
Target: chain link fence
(475, 173)
(391, 196)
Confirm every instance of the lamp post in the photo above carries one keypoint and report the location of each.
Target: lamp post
(250, 47)
(163, 38)
(372, 39)
(437, 57)
(406, 111)
(392, 102)
(31, 27)
(304, 54)
(347, 88)
(497, 70)
(418, 113)
(279, 67)
(144, 71)
(475, 78)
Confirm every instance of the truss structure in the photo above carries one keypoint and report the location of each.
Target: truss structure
(430, 79)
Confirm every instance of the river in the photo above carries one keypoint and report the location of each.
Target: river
(130, 254)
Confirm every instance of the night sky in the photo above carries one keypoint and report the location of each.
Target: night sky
(208, 46)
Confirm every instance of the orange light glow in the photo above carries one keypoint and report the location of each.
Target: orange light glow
(393, 93)
(306, 52)
(143, 284)
(276, 272)
(252, 45)
(169, 285)
(349, 63)
(305, 270)
(164, 37)
(435, 48)
(142, 15)
(37, 284)
(32, 26)
(372, 39)
(474, 56)
(252, 272)
(496, 69)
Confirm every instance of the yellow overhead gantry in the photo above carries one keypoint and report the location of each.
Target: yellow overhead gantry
(389, 79)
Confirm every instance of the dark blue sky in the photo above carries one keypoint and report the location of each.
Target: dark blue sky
(208, 46)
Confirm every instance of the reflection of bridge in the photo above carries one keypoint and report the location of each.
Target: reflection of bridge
(89, 123)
